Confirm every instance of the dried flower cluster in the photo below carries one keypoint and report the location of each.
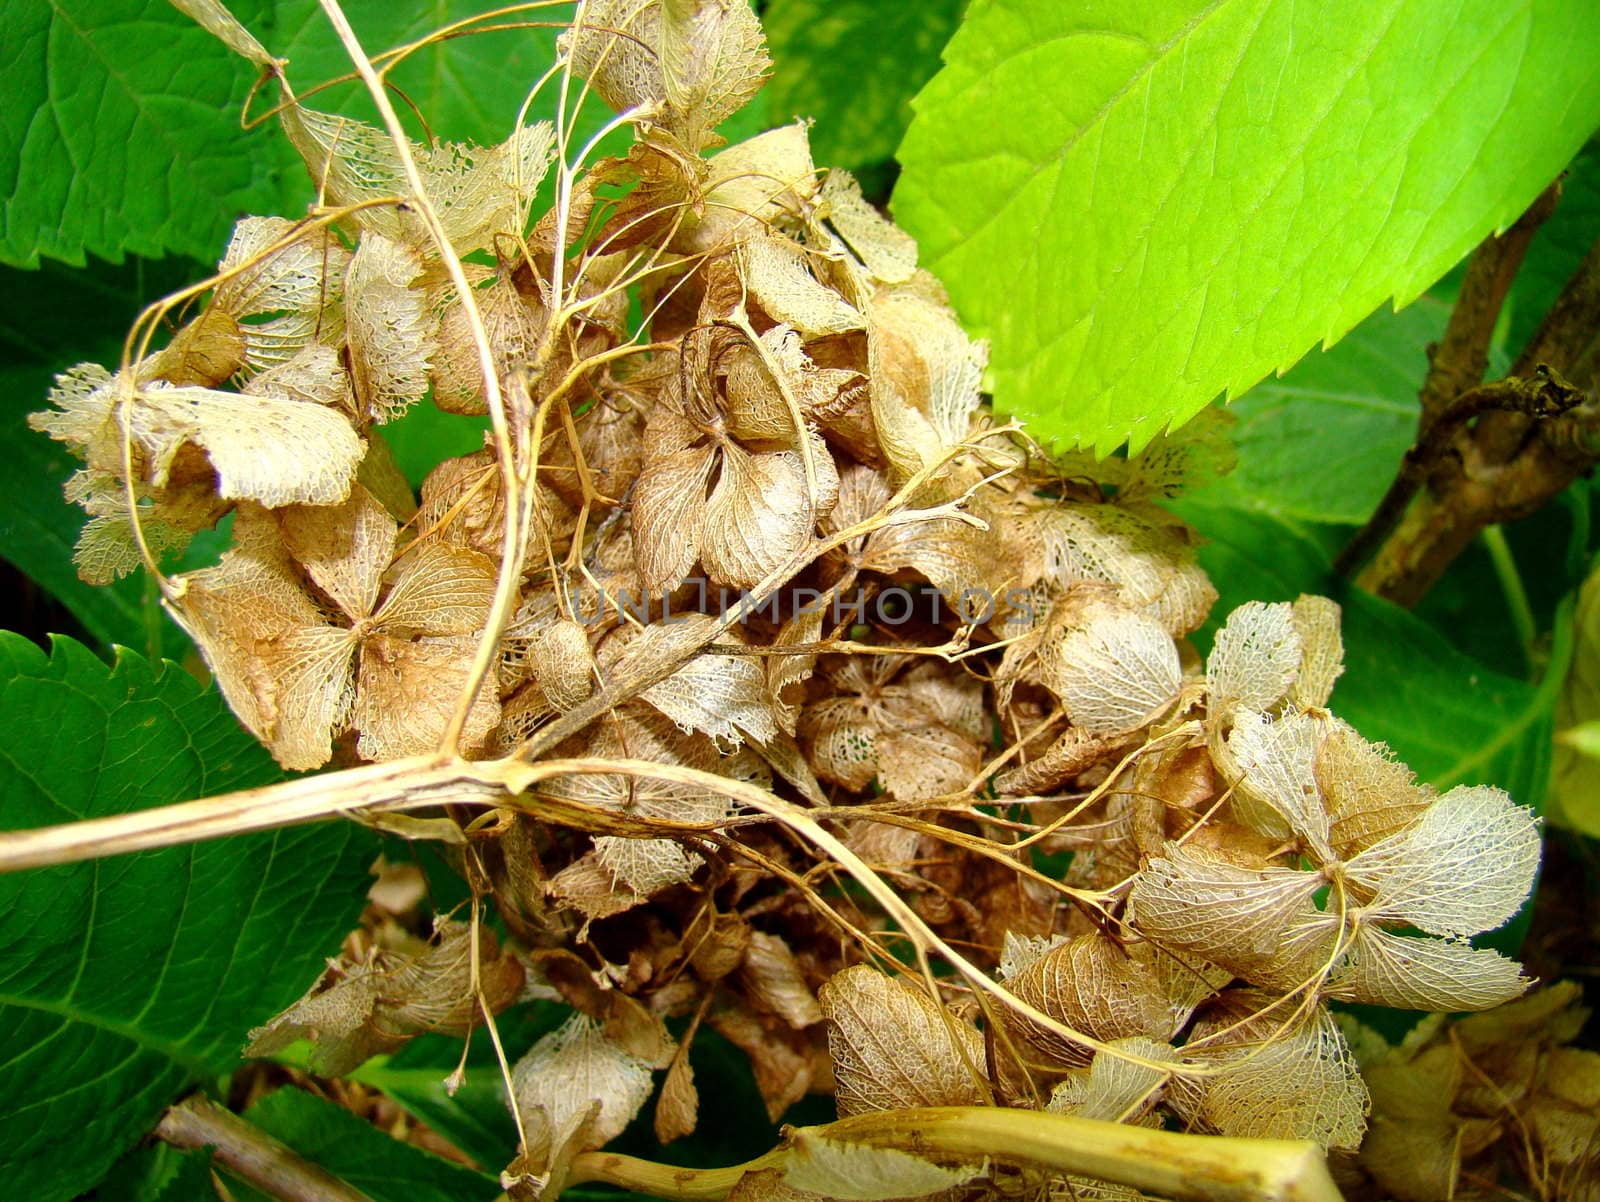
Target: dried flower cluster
(743, 527)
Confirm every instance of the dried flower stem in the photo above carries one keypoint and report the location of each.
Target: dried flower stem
(1168, 1163)
(510, 577)
(251, 1154)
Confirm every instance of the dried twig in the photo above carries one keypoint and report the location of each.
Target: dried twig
(251, 1154)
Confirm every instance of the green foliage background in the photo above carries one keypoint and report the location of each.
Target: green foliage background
(1143, 204)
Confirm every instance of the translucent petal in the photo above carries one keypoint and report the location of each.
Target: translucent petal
(1231, 914)
(646, 866)
(894, 1047)
(1254, 658)
(1316, 621)
(575, 1085)
(1302, 1084)
(1385, 969)
(1277, 758)
(389, 330)
(1115, 1089)
(886, 250)
(723, 696)
(1465, 866)
(1115, 672)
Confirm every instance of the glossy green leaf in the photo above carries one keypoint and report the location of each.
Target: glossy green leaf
(122, 980)
(853, 66)
(383, 1168)
(1322, 443)
(1557, 248)
(158, 1172)
(119, 133)
(1147, 204)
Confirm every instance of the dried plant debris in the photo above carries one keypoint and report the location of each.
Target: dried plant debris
(762, 540)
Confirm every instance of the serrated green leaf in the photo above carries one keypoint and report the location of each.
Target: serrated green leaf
(1146, 205)
(1557, 248)
(853, 66)
(1323, 443)
(123, 980)
(383, 1168)
(158, 1172)
(119, 134)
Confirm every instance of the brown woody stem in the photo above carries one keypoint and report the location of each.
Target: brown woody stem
(1457, 362)
(1457, 481)
(1544, 395)
(250, 1154)
(1166, 1163)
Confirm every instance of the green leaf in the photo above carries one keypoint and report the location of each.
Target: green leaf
(122, 980)
(1323, 443)
(384, 1169)
(119, 133)
(158, 1172)
(475, 1118)
(853, 66)
(1147, 204)
(1557, 248)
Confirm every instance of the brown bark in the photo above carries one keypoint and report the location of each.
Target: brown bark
(1488, 453)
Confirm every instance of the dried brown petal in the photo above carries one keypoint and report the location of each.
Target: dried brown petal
(1316, 621)
(893, 1047)
(1369, 793)
(773, 980)
(406, 691)
(690, 64)
(1090, 985)
(678, 1106)
(390, 338)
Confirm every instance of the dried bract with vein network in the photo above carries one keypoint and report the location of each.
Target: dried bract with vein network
(478, 192)
(292, 625)
(1276, 1077)
(377, 1004)
(576, 1088)
(685, 66)
(894, 1047)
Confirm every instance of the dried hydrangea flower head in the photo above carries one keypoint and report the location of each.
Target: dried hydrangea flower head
(743, 542)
